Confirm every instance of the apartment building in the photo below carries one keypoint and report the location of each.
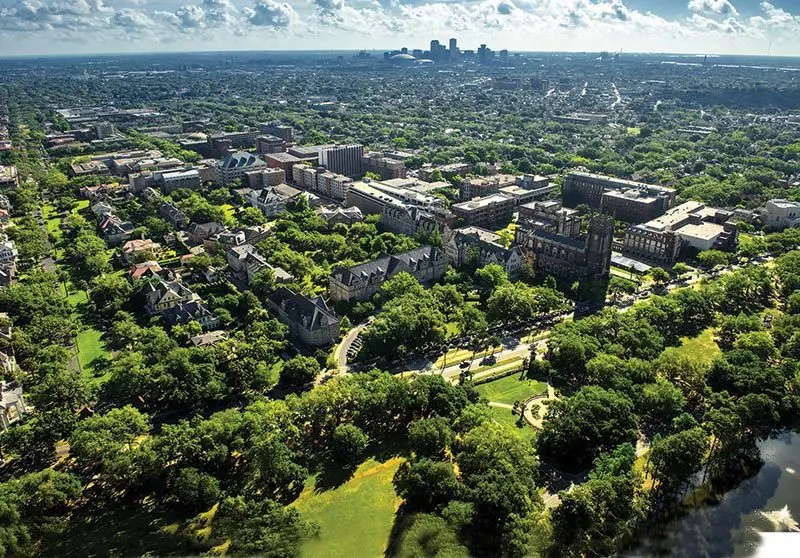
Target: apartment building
(491, 211)
(343, 159)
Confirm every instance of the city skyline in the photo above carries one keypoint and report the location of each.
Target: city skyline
(43, 27)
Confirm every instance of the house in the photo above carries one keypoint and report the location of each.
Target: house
(481, 247)
(137, 246)
(4, 218)
(209, 338)
(246, 262)
(5, 203)
(781, 214)
(309, 319)
(200, 232)
(102, 208)
(8, 251)
(8, 364)
(100, 192)
(256, 233)
(192, 311)
(144, 270)
(114, 229)
(173, 215)
(162, 295)
(12, 404)
(336, 214)
(360, 282)
(272, 200)
(8, 274)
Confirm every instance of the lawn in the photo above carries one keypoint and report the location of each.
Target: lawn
(504, 417)
(356, 518)
(634, 131)
(701, 349)
(90, 347)
(80, 205)
(510, 389)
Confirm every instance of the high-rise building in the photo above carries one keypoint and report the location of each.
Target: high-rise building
(453, 49)
(343, 159)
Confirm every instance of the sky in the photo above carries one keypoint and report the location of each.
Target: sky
(683, 26)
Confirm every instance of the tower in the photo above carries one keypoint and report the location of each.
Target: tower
(453, 48)
(598, 246)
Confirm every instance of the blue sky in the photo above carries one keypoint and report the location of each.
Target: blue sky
(695, 26)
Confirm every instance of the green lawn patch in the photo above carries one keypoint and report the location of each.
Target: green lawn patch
(702, 348)
(634, 131)
(504, 417)
(80, 205)
(510, 389)
(356, 518)
(90, 348)
(229, 210)
(47, 210)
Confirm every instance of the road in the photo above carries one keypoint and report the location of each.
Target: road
(340, 354)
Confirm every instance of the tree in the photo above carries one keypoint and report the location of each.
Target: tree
(675, 458)
(348, 443)
(109, 293)
(300, 370)
(400, 285)
(194, 490)
(250, 216)
(369, 175)
(98, 438)
(618, 285)
(713, 258)
(491, 276)
(429, 535)
(261, 527)
(470, 320)
(426, 485)
(659, 276)
(681, 268)
(430, 437)
(577, 429)
(263, 283)
(661, 402)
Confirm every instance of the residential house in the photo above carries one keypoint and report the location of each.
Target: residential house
(8, 274)
(209, 338)
(102, 208)
(173, 215)
(200, 232)
(162, 295)
(480, 247)
(246, 262)
(114, 229)
(360, 282)
(5, 203)
(8, 364)
(336, 214)
(5, 218)
(132, 248)
(144, 270)
(272, 200)
(309, 319)
(192, 311)
(12, 404)
(8, 251)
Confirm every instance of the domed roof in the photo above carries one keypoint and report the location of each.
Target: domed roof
(402, 56)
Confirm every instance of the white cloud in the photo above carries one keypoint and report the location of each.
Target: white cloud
(722, 7)
(269, 13)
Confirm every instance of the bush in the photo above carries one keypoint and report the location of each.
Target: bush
(348, 444)
(194, 490)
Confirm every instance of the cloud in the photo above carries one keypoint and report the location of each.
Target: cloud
(269, 13)
(721, 7)
(329, 5)
(131, 19)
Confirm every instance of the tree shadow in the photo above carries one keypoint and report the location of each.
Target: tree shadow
(402, 521)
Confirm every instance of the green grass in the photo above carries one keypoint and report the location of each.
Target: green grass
(80, 205)
(356, 518)
(451, 328)
(47, 210)
(90, 347)
(510, 389)
(504, 417)
(702, 349)
(229, 210)
(634, 131)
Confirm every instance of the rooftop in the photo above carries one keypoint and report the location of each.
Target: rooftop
(479, 203)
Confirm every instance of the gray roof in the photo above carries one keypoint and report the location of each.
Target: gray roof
(388, 266)
(186, 312)
(311, 312)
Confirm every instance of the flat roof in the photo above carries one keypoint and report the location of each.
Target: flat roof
(704, 231)
(624, 181)
(485, 201)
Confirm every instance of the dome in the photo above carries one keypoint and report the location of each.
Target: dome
(402, 57)
(424, 61)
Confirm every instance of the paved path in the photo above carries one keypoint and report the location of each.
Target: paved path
(340, 354)
(500, 405)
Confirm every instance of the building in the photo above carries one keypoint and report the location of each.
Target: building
(781, 214)
(278, 130)
(8, 250)
(233, 167)
(208, 339)
(173, 215)
(482, 186)
(625, 200)
(570, 258)
(285, 161)
(245, 263)
(387, 168)
(89, 168)
(691, 224)
(360, 282)
(5, 203)
(191, 311)
(9, 177)
(448, 171)
(335, 214)
(550, 216)
(309, 319)
(170, 181)
(333, 185)
(409, 220)
(479, 247)
(114, 229)
(270, 144)
(495, 210)
(8, 274)
(162, 295)
(144, 270)
(273, 199)
(201, 232)
(134, 248)
(12, 404)
(104, 130)
(265, 177)
(343, 159)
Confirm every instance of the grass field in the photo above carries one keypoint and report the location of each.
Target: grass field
(702, 348)
(504, 417)
(356, 518)
(510, 389)
(90, 347)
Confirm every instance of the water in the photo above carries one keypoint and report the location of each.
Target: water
(731, 528)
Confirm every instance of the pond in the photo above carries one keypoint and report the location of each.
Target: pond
(768, 501)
